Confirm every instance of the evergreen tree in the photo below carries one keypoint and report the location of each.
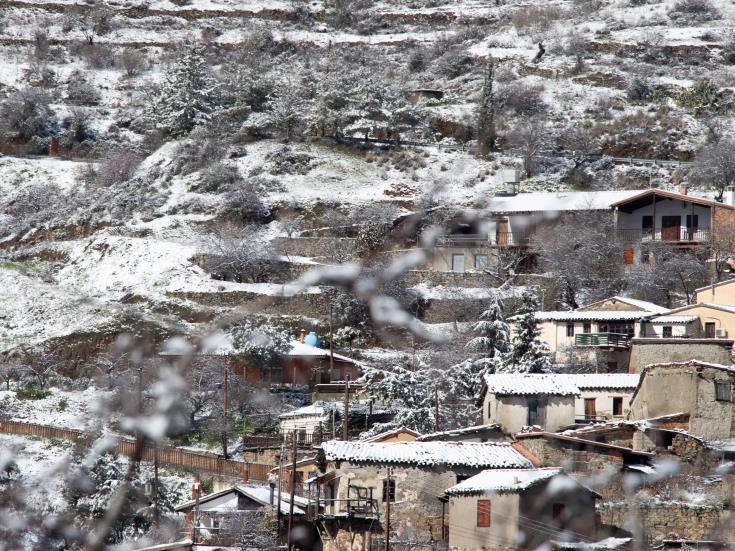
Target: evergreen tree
(287, 109)
(529, 354)
(188, 94)
(486, 121)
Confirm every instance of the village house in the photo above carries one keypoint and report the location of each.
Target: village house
(520, 509)
(677, 219)
(597, 335)
(512, 219)
(217, 518)
(360, 476)
(400, 434)
(554, 400)
(699, 390)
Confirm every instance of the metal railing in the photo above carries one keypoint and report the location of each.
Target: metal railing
(275, 440)
(512, 239)
(676, 234)
(613, 340)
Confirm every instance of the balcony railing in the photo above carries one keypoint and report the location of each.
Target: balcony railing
(676, 235)
(512, 239)
(274, 441)
(357, 506)
(610, 340)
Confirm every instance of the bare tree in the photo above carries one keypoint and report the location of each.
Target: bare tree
(582, 256)
(715, 166)
(241, 254)
(530, 136)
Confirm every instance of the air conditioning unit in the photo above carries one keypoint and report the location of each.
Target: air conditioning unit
(720, 333)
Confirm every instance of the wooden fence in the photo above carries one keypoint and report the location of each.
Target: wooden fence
(167, 455)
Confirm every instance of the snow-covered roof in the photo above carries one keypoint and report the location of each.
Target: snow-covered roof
(530, 383)
(642, 304)
(592, 315)
(588, 381)
(390, 433)
(502, 481)
(458, 432)
(673, 320)
(716, 306)
(259, 494)
(301, 349)
(467, 454)
(607, 543)
(559, 201)
(316, 409)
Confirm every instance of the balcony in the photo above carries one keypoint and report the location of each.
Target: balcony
(499, 239)
(602, 340)
(678, 234)
(362, 507)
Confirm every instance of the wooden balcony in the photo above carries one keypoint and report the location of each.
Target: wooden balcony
(664, 235)
(602, 340)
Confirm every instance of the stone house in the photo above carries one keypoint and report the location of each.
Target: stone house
(359, 477)
(596, 335)
(520, 509)
(554, 400)
(700, 390)
(646, 351)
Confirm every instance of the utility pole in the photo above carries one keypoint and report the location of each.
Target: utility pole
(436, 409)
(293, 489)
(195, 529)
(387, 510)
(156, 508)
(224, 409)
(280, 484)
(331, 344)
(346, 419)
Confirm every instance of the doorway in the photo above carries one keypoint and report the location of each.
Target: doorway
(670, 228)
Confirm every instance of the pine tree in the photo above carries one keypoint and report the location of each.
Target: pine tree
(486, 121)
(287, 109)
(529, 354)
(188, 94)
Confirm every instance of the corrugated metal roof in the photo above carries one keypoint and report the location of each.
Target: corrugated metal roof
(673, 319)
(586, 381)
(468, 454)
(502, 481)
(530, 383)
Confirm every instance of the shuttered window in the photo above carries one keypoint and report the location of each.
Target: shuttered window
(723, 391)
(483, 513)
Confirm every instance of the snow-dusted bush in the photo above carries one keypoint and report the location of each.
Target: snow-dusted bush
(521, 99)
(81, 91)
(695, 10)
(97, 56)
(241, 254)
(244, 206)
(133, 62)
(196, 154)
(26, 113)
(117, 167)
(218, 178)
(702, 96)
(260, 345)
(285, 160)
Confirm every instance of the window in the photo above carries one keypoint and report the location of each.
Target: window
(612, 367)
(458, 263)
(557, 511)
(668, 331)
(570, 329)
(483, 513)
(709, 330)
(389, 490)
(723, 391)
(647, 223)
(587, 327)
(533, 416)
(692, 221)
(480, 261)
(617, 405)
(489, 410)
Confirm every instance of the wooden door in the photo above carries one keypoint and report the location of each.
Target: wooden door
(671, 228)
(503, 238)
(590, 412)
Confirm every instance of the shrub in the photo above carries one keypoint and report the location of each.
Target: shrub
(218, 178)
(97, 56)
(196, 154)
(455, 62)
(521, 99)
(639, 89)
(728, 52)
(27, 113)
(132, 62)
(243, 206)
(33, 393)
(63, 404)
(529, 19)
(417, 61)
(80, 91)
(695, 10)
(118, 166)
(702, 96)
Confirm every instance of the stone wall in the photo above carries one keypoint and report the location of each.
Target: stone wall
(653, 351)
(307, 304)
(668, 520)
(313, 246)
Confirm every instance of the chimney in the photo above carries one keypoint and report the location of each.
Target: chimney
(730, 195)
(683, 189)
(302, 335)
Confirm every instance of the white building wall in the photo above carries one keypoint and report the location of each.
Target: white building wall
(603, 402)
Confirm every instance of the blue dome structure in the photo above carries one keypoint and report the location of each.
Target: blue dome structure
(312, 339)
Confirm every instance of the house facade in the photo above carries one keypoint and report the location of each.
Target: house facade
(596, 336)
(656, 216)
(360, 477)
(553, 401)
(516, 508)
(699, 390)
